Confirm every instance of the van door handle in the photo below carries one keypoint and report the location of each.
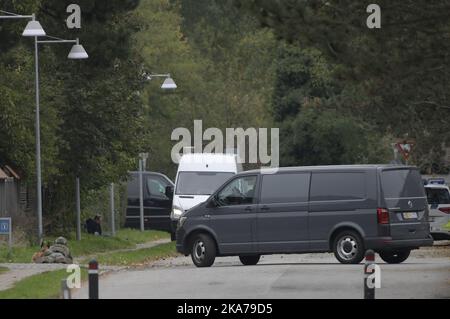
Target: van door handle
(207, 216)
(265, 208)
(248, 209)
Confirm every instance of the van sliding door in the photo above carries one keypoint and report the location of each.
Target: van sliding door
(282, 218)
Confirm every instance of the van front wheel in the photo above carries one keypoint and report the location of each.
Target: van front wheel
(348, 247)
(203, 250)
(395, 257)
(249, 260)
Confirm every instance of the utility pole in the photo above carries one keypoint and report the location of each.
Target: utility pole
(142, 159)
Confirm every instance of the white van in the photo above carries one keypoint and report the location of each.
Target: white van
(198, 176)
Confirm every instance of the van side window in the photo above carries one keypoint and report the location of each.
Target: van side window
(240, 191)
(157, 186)
(400, 183)
(285, 188)
(338, 186)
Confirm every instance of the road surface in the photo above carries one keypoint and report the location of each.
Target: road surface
(278, 276)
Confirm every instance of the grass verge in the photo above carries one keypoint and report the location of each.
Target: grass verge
(47, 285)
(3, 270)
(89, 244)
(139, 256)
(42, 286)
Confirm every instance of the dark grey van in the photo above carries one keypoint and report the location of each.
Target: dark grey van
(157, 191)
(340, 209)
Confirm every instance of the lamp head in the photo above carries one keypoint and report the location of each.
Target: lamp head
(169, 84)
(77, 52)
(33, 29)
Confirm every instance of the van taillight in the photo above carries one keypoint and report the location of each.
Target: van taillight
(382, 216)
(445, 210)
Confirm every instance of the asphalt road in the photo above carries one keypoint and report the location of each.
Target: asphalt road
(277, 276)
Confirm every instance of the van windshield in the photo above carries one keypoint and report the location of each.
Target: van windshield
(402, 183)
(200, 183)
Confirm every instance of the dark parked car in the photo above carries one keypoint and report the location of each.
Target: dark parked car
(157, 196)
(340, 209)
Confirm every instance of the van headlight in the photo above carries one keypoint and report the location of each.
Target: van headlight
(176, 212)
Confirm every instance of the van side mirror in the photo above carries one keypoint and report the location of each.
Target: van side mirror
(169, 191)
(212, 202)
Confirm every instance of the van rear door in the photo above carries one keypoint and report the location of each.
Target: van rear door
(404, 197)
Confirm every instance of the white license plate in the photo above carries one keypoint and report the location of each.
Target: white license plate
(410, 215)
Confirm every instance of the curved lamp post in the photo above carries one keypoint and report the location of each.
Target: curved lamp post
(77, 52)
(168, 84)
(34, 29)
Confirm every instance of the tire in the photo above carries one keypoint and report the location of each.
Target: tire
(394, 257)
(348, 247)
(203, 250)
(249, 260)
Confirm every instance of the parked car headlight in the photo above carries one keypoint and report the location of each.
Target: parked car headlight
(176, 212)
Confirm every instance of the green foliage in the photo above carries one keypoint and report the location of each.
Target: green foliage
(400, 69)
(89, 244)
(302, 75)
(319, 136)
(91, 115)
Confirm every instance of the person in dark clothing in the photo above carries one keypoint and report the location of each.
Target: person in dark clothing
(93, 226)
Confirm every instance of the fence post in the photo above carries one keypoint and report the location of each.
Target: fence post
(369, 291)
(113, 221)
(141, 196)
(78, 207)
(93, 279)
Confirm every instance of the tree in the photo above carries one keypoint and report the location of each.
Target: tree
(318, 136)
(400, 69)
(91, 114)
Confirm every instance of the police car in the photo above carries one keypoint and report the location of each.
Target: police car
(438, 196)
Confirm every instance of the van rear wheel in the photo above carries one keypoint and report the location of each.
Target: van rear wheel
(348, 247)
(394, 257)
(249, 260)
(203, 250)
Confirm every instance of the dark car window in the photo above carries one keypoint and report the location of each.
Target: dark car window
(156, 186)
(200, 183)
(338, 186)
(240, 191)
(285, 188)
(437, 195)
(401, 183)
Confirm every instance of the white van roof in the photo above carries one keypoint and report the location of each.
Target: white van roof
(209, 162)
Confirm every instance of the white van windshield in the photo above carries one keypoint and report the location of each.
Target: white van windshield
(200, 183)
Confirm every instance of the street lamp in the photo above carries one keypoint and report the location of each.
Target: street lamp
(34, 29)
(168, 84)
(77, 52)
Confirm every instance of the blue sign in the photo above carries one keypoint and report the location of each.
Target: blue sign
(5, 224)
